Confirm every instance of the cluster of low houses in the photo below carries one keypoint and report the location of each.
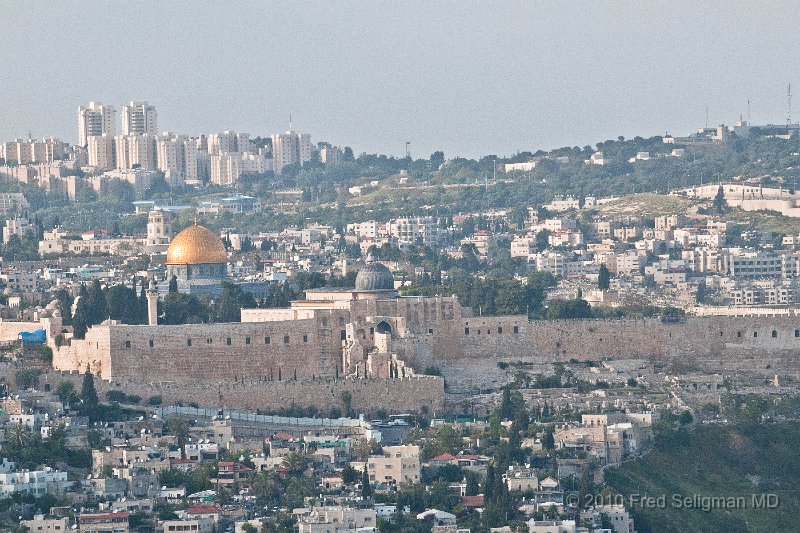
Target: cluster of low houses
(125, 476)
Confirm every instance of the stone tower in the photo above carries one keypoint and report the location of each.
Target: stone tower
(159, 228)
(152, 304)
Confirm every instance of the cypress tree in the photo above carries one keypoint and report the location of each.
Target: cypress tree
(366, 488)
(89, 400)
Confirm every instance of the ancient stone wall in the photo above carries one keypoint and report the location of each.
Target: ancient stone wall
(368, 395)
(300, 349)
(424, 332)
(514, 338)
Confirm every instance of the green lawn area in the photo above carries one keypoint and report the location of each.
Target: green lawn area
(766, 221)
(732, 461)
(647, 204)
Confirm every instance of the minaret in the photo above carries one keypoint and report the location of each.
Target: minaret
(152, 304)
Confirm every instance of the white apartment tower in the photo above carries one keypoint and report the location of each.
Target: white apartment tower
(139, 118)
(290, 148)
(100, 151)
(95, 119)
(225, 169)
(136, 151)
(177, 158)
(229, 142)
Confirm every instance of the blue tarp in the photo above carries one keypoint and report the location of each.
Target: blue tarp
(35, 337)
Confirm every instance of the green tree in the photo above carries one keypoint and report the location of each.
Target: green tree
(720, 205)
(543, 240)
(173, 284)
(295, 463)
(568, 309)
(180, 308)
(604, 278)
(66, 392)
(64, 299)
(89, 400)
(349, 474)
(366, 487)
(97, 304)
(231, 301)
(549, 441)
(347, 403)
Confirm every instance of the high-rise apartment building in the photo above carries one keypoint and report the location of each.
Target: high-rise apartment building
(330, 155)
(139, 118)
(95, 119)
(177, 158)
(136, 151)
(290, 148)
(229, 142)
(100, 151)
(225, 169)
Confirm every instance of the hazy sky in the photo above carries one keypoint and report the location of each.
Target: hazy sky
(469, 78)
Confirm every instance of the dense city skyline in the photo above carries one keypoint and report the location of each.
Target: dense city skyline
(417, 73)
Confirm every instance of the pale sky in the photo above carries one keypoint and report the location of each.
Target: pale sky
(469, 78)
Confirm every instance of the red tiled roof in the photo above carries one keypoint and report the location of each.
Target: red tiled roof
(444, 457)
(282, 436)
(203, 508)
(473, 501)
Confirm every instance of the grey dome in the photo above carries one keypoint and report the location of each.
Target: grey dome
(374, 277)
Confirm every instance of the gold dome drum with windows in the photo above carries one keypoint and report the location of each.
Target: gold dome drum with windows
(196, 252)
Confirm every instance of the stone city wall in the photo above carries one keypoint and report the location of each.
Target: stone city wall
(368, 395)
(226, 352)
(693, 338)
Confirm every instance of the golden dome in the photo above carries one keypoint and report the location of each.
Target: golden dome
(196, 245)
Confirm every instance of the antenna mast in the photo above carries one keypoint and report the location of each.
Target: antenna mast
(788, 105)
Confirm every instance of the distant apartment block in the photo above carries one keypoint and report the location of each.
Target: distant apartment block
(100, 151)
(136, 151)
(290, 148)
(25, 151)
(95, 119)
(139, 118)
(228, 142)
(177, 158)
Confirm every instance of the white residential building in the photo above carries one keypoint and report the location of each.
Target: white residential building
(290, 148)
(100, 151)
(136, 151)
(139, 118)
(15, 226)
(32, 482)
(336, 519)
(397, 464)
(229, 142)
(177, 158)
(95, 119)
(409, 230)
